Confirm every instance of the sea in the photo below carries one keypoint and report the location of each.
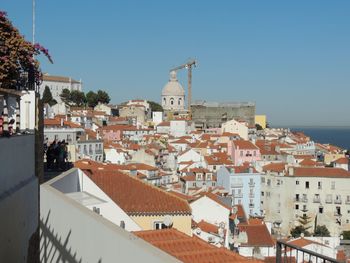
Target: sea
(338, 136)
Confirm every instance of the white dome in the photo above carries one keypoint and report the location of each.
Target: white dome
(173, 87)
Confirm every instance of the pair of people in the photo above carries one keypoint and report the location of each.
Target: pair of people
(56, 155)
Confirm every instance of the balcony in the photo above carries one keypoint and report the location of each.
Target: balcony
(251, 184)
(347, 201)
(251, 195)
(251, 205)
(302, 255)
(337, 201)
(304, 200)
(238, 195)
(236, 185)
(329, 201)
(317, 200)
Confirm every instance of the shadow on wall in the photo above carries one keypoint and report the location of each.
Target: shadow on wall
(54, 248)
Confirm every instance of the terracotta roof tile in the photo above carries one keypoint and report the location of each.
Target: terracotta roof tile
(189, 249)
(321, 172)
(136, 197)
(258, 234)
(207, 227)
(243, 144)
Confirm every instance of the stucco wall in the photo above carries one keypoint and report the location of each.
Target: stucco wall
(73, 233)
(180, 222)
(18, 197)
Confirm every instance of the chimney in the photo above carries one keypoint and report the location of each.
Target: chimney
(61, 122)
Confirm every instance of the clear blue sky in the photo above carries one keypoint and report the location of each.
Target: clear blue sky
(291, 58)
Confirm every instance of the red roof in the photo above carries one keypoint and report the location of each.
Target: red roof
(321, 172)
(275, 167)
(189, 249)
(342, 160)
(207, 227)
(257, 233)
(243, 144)
(136, 197)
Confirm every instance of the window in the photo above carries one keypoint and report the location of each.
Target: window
(254, 153)
(320, 210)
(263, 179)
(179, 101)
(307, 185)
(262, 193)
(296, 207)
(171, 101)
(332, 185)
(319, 185)
(297, 182)
(297, 197)
(159, 225)
(239, 201)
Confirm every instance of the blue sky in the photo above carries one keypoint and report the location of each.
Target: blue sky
(291, 58)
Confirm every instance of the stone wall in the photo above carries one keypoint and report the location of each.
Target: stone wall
(212, 115)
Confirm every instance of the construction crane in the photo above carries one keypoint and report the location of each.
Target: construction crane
(188, 65)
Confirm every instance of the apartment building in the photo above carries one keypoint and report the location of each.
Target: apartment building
(243, 182)
(322, 194)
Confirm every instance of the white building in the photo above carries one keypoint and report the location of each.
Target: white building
(322, 194)
(57, 84)
(173, 94)
(233, 126)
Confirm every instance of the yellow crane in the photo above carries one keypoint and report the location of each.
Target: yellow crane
(188, 65)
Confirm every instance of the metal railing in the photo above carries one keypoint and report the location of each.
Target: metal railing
(288, 253)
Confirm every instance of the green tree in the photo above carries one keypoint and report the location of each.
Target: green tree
(47, 97)
(18, 66)
(66, 96)
(91, 99)
(304, 221)
(258, 127)
(322, 231)
(103, 97)
(77, 98)
(155, 106)
(346, 235)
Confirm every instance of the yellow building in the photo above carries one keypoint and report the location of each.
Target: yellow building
(148, 206)
(261, 120)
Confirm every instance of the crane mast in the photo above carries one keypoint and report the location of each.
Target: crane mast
(188, 65)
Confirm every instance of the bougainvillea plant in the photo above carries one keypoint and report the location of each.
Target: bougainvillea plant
(18, 66)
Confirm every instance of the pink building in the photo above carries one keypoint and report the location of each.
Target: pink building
(242, 151)
(112, 132)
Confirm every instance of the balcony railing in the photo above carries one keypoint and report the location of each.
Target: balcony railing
(251, 184)
(290, 253)
(337, 201)
(317, 200)
(236, 185)
(238, 195)
(329, 201)
(251, 195)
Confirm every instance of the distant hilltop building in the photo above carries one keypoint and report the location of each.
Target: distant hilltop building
(213, 114)
(173, 95)
(57, 84)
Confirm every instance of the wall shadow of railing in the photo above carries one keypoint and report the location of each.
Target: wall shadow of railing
(51, 244)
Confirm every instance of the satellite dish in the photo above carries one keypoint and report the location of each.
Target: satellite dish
(198, 231)
(168, 221)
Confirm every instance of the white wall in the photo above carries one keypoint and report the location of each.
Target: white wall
(19, 198)
(73, 233)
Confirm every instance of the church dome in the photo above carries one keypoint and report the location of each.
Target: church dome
(173, 87)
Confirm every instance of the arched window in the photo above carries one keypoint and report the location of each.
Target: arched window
(171, 101)
(179, 102)
(164, 100)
